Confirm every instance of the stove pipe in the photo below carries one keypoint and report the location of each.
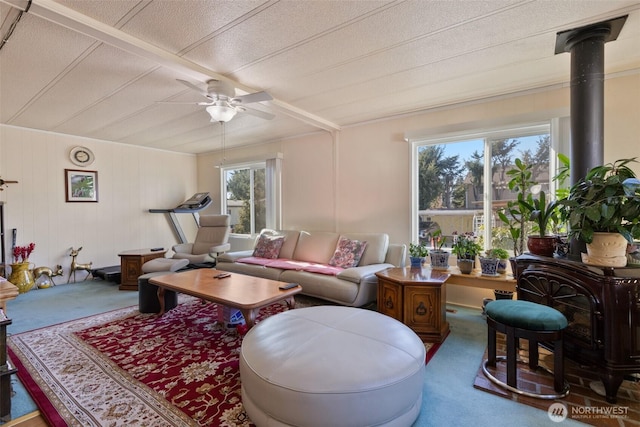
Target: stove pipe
(586, 45)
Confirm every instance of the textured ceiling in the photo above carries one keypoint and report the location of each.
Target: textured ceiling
(98, 68)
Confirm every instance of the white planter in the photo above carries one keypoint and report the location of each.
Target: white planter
(606, 249)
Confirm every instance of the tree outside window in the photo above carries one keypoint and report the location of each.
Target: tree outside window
(451, 184)
(246, 199)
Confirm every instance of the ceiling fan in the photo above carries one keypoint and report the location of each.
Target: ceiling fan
(223, 104)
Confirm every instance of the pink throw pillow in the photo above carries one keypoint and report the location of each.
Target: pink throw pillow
(348, 253)
(268, 246)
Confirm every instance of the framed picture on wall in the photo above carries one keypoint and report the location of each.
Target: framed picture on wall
(81, 186)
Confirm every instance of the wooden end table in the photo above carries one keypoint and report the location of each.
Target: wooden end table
(417, 298)
(8, 291)
(131, 266)
(246, 293)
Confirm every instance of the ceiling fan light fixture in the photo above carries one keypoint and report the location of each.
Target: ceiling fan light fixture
(221, 112)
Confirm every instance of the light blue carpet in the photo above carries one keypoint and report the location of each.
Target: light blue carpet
(449, 398)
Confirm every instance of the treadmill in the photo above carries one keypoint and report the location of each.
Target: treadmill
(193, 205)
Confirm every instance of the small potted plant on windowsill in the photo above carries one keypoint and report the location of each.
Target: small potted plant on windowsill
(466, 249)
(496, 257)
(438, 256)
(417, 254)
(502, 256)
(489, 263)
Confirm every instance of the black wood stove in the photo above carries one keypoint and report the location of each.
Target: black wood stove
(602, 306)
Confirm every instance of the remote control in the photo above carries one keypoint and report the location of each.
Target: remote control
(288, 286)
(156, 249)
(222, 275)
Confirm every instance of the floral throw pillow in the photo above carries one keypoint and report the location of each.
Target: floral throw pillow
(268, 246)
(348, 253)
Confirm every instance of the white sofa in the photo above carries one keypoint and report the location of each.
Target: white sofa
(304, 259)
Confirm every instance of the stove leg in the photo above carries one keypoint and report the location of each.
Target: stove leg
(611, 383)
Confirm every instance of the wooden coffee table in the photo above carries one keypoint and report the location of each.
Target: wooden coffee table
(246, 293)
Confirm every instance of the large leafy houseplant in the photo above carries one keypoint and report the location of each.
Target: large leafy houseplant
(605, 204)
(607, 199)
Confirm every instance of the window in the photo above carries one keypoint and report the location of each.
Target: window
(251, 196)
(460, 182)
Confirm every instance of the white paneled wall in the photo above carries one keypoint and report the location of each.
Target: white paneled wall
(131, 181)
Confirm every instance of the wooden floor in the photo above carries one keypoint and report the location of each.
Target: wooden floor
(581, 395)
(33, 419)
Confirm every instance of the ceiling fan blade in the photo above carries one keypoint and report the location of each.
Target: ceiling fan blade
(257, 113)
(196, 88)
(253, 97)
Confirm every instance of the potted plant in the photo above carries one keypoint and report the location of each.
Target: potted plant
(515, 215)
(502, 256)
(417, 254)
(489, 263)
(605, 205)
(439, 257)
(543, 214)
(466, 249)
(494, 263)
(21, 275)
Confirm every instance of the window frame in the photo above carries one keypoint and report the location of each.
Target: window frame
(272, 195)
(550, 127)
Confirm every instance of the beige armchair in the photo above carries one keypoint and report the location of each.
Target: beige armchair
(212, 239)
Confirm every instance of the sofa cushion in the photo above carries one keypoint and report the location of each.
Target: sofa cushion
(317, 246)
(254, 260)
(329, 270)
(268, 246)
(323, 286)
(288, 264)
(347, 253)
(377, 246)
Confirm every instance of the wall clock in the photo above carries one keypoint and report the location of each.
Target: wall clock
(81, 156)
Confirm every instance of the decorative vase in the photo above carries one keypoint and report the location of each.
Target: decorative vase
(416, 261)
(543, 246)
(21, 276)
(465, 266)
(489, 266)
(439, 259)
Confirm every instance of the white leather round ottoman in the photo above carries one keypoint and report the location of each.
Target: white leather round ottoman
(332, 366)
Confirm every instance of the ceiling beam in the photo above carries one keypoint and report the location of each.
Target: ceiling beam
(75, 21)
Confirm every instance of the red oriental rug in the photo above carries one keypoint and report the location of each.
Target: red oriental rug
(126, 368)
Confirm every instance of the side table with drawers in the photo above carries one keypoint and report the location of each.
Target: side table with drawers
(131, 266)
(417, 298)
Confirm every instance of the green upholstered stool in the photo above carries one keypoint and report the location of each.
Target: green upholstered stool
(531, 321)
